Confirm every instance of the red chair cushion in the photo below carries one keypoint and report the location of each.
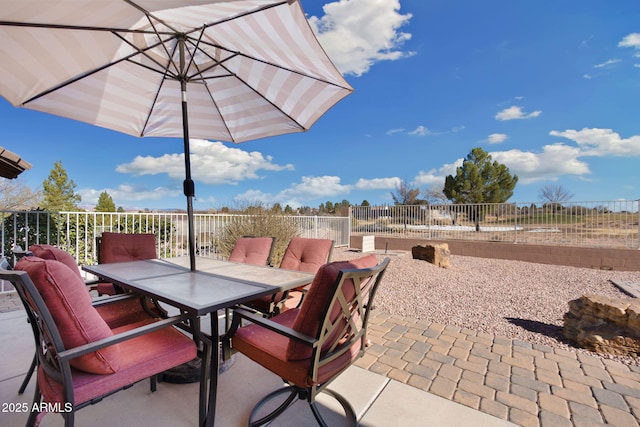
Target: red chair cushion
(252, 250)
(269, 349)
(52, 252)
(307, 255)
(77, 320)
(120, 247)
(317, 299)
(141, 357)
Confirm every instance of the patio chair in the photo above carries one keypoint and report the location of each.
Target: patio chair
(121, 247)
(80, 358)
(116, 311)
(252, 250)
(308, 347)
(302, 254)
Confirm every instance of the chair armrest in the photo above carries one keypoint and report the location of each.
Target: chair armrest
(115, 339)
(271, 325)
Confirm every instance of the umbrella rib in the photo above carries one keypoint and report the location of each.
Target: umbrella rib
(253, 58)
(155, 98)
(77, 27)
(77, 78)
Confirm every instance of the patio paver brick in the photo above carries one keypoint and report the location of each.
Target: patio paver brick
(527, 384)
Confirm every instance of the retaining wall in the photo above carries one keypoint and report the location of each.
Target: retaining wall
(600, 258)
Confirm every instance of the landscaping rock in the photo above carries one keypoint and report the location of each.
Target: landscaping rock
(436, 253)
(604, 324)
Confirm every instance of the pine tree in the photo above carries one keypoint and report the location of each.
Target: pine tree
(58, 191)
(479, 180)
(105, 203)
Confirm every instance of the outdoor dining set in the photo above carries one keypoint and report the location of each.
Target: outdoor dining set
(226, 70)
(304, 320)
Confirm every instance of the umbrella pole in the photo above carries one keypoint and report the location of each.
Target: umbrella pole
(188, 185)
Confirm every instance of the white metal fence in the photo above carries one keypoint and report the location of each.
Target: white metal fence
(613, 224)
(76, 232)
(594, 224)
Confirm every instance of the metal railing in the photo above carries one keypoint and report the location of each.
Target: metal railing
(595, 224)
(76, 232)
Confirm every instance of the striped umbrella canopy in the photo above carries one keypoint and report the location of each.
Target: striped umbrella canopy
(232, 70)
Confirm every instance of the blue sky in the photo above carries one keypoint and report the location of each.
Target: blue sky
(551, 89)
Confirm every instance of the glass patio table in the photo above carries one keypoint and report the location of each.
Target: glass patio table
(214, 285)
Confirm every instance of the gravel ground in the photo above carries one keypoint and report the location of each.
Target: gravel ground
(515, 299)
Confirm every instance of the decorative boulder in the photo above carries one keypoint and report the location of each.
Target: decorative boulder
(435, 253)
(604, 325)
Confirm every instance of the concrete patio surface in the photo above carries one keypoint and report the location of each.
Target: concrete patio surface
(415, 373)
(379, 400)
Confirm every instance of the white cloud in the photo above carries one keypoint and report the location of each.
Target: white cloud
(515, 113)
(420, 131)
(394, 131)
(358, 33)
(630, 40)
(497, 138)
(211, 163)
(312, 187)
(128, 193)
(436, 176)
(378, 183)
(601, 142)
(554, 160)
(607, 63)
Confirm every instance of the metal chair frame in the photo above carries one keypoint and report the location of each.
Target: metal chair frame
(354, 312)
(54, 357)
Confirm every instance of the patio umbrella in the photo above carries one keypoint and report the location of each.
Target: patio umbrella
(226, 70)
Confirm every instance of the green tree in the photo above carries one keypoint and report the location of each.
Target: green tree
(105, 203)
(365, 202)
(479, 180)
(58, 191)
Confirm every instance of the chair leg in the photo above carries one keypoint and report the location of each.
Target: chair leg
(348, 409)
(32, 368)
(33, 415)
(293, 395)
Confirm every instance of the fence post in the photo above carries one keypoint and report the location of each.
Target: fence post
(315, 227)
(515, 223)
(638, 210)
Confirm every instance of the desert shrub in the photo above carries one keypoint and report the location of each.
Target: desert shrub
(263, 223)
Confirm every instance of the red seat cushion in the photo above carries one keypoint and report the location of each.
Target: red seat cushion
(140, 358)
(52, 252)
(252, 250)
(121, 247)
(307, 255)
(77, 320)
(269, 349)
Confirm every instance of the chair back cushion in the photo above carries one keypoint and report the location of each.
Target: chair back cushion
(252, 250)
(310, 317)
(51, 252)
(307, 255)
(77, 321)
(121, 247)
